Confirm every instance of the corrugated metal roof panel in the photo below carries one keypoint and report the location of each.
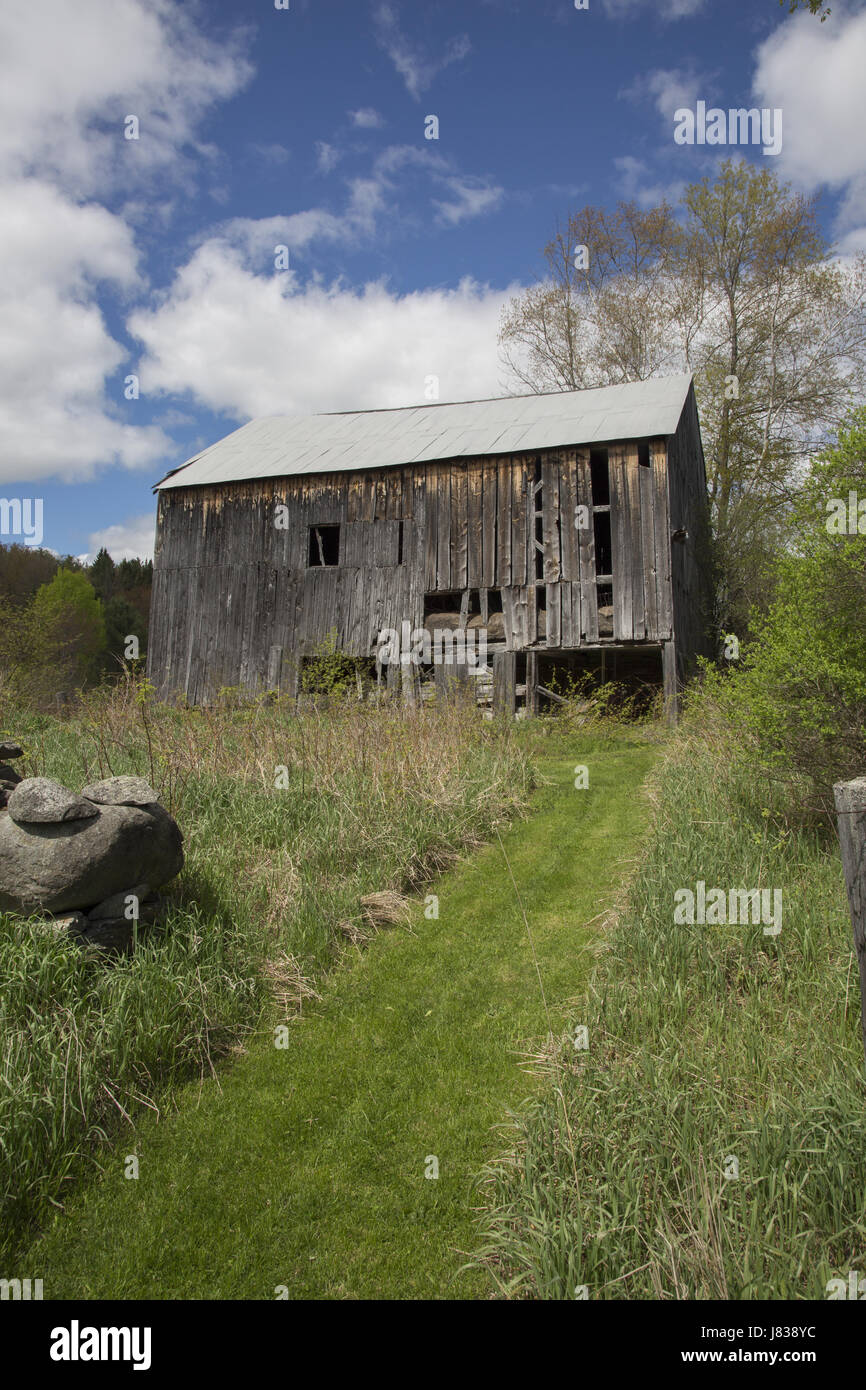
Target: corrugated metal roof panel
(282, 445)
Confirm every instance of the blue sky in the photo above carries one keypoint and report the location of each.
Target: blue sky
(305, 127)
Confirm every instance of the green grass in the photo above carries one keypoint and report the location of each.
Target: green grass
(708, 1044)
(305, 1167)
(375, 799)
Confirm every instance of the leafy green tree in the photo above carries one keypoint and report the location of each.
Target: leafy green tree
(814, 6)
(801, 689)
(69, 619)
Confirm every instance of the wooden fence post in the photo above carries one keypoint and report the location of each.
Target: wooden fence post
(851, 817)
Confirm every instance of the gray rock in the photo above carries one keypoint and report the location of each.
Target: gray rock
(80, 863)
(114, 935)
(8, 774)
(11, 750)
(42, 801)
(74, 922)
(70, 923)
(116, 905)
(121, 791)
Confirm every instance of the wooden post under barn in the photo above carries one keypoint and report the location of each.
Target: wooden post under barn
(851, 818)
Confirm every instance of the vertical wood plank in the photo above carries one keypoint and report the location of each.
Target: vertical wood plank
(489, 514)
(503, 522)
(619, 536)
(459, 524)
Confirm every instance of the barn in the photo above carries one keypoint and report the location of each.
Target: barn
(570, 527)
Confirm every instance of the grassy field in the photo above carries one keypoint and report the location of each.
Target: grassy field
(711, 1142)
(289, 822)
(307, 1166)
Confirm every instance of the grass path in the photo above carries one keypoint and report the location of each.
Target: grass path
(305, 1167)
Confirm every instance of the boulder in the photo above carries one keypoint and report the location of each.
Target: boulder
(11, 750)
(8, 774)
(70, 923)
(42, 801)
(116, 905)
(78, 863)
(121, 791)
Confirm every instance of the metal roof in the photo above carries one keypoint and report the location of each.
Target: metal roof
(279, 445)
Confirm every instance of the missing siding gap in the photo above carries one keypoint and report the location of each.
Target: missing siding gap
(400, 544)
(603, 544)
(538, 519)
(599, 473)
(643, 457)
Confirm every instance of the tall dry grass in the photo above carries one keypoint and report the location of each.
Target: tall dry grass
(290, 823)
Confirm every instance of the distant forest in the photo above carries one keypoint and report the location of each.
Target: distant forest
(64, 624)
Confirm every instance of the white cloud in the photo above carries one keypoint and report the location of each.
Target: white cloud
(132, 539)
(635, 183)
(369, 201)
(814, 73)
(56, 353)
(417, 69)
(669, 9)
(368, 118)
(327, 156)
(252, 345)
(69, 75)
(668, 89)
(470, 197)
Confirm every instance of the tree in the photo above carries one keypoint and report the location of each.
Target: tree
(599, 316)
(801, 689)
(122, 621)
(70, 620)
(814, 6)
(102, 575)
(739, 290)
(23, 568)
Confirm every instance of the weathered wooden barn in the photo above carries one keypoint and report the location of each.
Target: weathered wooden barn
(571, 526)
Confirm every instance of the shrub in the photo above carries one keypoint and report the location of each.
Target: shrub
(799, 695)
(328, 671)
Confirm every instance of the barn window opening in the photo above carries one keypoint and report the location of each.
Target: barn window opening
(643, 455)
(605, 610)
(603, 547)
(540, 611)
(324, 546)
(599, 474)
(442, 601)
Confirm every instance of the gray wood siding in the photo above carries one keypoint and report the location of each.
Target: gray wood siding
(690, 581)
(235, 603)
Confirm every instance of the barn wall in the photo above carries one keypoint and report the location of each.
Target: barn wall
(690, 559)
(642, 608)
(235, 603)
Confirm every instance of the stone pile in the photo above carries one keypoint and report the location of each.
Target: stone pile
(93, 860)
